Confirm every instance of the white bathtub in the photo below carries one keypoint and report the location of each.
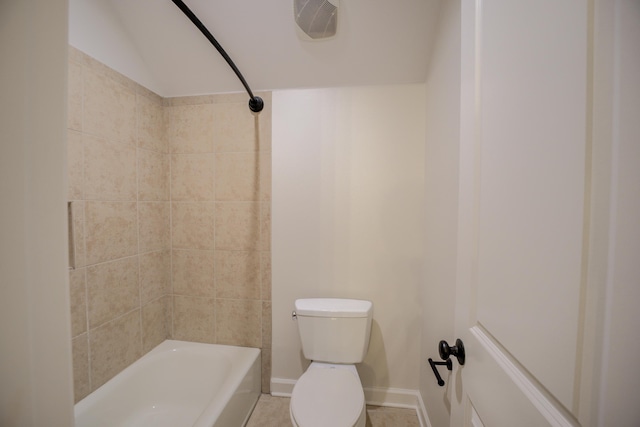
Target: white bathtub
(178, 384)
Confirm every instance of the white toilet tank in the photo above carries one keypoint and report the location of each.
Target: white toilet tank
(334, 330)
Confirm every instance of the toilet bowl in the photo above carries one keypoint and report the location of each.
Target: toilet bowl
(328, 395)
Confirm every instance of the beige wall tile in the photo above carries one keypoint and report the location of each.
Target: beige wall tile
(118, 155)
(109, 170)
(237, 226)
(265, 226)
(192, 177)
(266, 324)
(194, 319)
(80, 355)
(193, 272)
(265, 175)
(191, 128)
(152, 126)
(154, 226)
(104, 70)
(154, 323)
(265, 272)
(192, 225)
(78, 300)
(266, 374)
(237, 176)
(74, 96)
(238, 322)
(238, 274)
(114, 346)
(264, 124)
(112, 290)
(155, 275)
(77, 210)
(153, 175)
(109, 109)
(235, 128)
(75, 161)
(111, 230)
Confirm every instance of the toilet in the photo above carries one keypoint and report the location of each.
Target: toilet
(335, 336)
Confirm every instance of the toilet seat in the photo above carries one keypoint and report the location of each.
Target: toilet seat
(327, 397)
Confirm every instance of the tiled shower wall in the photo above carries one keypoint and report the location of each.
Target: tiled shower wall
(171, 221)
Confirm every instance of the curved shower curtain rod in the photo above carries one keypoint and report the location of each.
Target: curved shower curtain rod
(255, 103)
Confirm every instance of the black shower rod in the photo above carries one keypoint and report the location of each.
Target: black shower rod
(255, 102)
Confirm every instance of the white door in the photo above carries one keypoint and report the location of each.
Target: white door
(523, 204)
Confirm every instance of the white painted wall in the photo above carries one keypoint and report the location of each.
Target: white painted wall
(348, 212)
(442, 168)
(35, 350)
(620, 378)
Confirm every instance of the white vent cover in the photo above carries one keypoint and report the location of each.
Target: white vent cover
(318, 19)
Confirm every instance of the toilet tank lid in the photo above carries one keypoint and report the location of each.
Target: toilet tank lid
(333, 307)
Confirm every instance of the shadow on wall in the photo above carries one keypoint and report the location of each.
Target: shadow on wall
(375, 369)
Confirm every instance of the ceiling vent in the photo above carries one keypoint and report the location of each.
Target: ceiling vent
(318, 19)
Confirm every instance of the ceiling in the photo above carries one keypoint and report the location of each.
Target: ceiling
(152, 42)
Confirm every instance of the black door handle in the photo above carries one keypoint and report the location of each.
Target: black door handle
(433, 364)
(457, 350)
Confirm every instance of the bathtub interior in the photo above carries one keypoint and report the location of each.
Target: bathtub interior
(178, 384)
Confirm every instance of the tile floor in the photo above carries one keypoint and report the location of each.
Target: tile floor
(274, 412)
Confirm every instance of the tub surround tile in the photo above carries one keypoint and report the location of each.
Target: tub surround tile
(114, 346)
(266, 324)
(263, 121)
(265, 273)
(192, 225)
(265, 361)
(109, 108)
(239, 322)
(235, 129)
(112, 290)
(74, 96)
(153, 175)
(154, 323)
(101, 69)
(109, 170)
(265, 226)
(237, 274)
(237, 226)
(167, 200)
(192, 177)
(80, 356)
(154, 226)
(78, 300)
(237, 176)
(155, 275)
(111, 230)
(193, 273)
(77, 212)
(75, 162)
(265, 176)
(194, 319)
(191, 128)
(151, 124)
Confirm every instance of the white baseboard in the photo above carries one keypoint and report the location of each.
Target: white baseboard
(378, 396)
(281, 387)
